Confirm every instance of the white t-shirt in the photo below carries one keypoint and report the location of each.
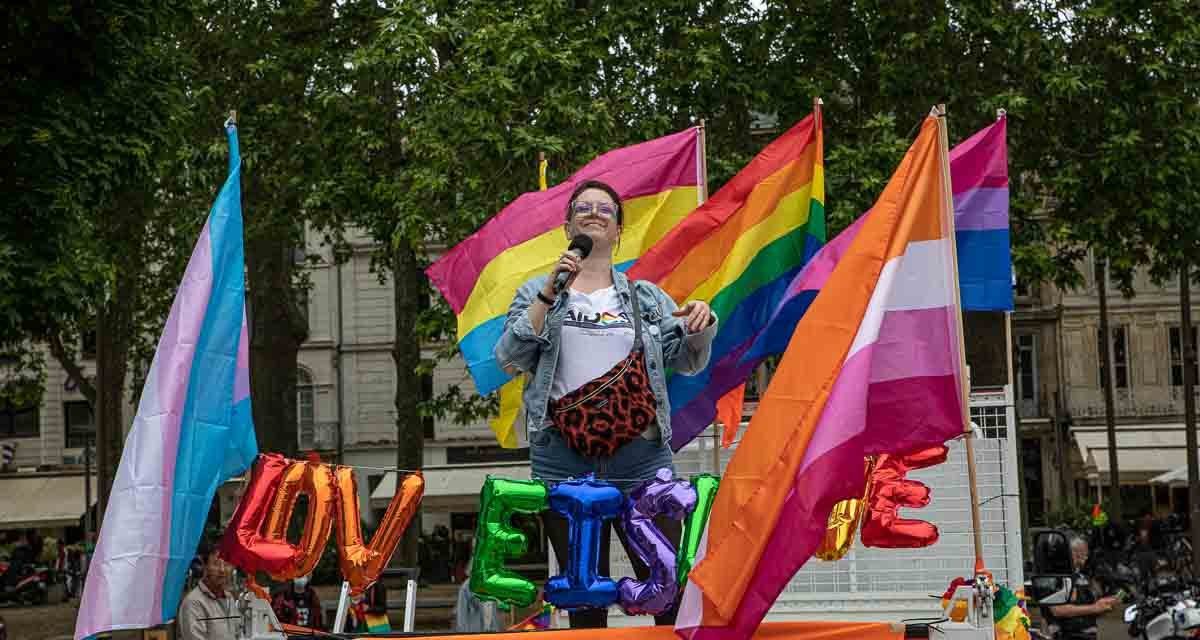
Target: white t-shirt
(596, 334)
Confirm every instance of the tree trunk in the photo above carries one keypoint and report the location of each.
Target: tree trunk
(114, 336)
(1189, 404)
(406, 353)
(277, 328)
(1110, 418)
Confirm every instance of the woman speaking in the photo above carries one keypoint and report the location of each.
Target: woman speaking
(597, 348)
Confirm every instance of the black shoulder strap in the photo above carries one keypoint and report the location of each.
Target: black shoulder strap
(637, 316)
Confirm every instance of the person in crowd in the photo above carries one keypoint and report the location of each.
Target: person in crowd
(472, 614)
(1077, 619)
(298, 603)
(208, 612)
(597, 352)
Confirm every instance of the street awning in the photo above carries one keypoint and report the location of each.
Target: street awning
(1147, 448)
(1176, 477)
(463, 480)
(41, 500)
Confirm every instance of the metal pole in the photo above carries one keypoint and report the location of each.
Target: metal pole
(1109, 381)
(87, 488)
(1189, 405)
(410, 606)
(339, 621)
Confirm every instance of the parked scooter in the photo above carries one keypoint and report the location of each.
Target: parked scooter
(27, 586)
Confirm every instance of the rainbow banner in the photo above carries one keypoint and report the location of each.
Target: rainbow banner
(874, 366)
(479, 277)
(739, 251)
(193, 430)
(979, 179)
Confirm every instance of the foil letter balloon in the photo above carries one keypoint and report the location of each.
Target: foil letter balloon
(496, 540)
(316, 481)
(662, 496)
(586, 504)
(361, 563)
(693, 528)
(243, 543)
(890, 491)
(844, 520)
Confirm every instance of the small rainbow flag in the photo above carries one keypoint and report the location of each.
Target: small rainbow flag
(738, 251)
(874, 367)
(657, 181)
(377, 622)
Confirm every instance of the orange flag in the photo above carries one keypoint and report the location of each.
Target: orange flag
(729, 413)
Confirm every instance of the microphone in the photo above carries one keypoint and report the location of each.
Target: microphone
(581, 246)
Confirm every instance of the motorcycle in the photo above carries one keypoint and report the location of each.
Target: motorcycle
(28, 585)
(1167, 616)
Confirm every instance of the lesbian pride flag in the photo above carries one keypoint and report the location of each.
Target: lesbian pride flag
(192, 431)
(874, 366)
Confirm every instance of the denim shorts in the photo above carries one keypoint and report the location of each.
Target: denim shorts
(553, 460)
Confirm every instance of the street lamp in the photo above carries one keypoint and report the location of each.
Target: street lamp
(88, 433)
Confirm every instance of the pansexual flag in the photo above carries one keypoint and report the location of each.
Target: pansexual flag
(979, 179)
(657, 181)
(874, 366)
(739, 251)
(192, 432)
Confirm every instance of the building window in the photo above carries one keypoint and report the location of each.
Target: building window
(306, 417)
(81, 423)
(87, 344)
(1176, 339)
(1120, 357)
(19, 422)
(1027, 378)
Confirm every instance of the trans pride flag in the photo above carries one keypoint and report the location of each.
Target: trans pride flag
(874, 366)
(193, 431)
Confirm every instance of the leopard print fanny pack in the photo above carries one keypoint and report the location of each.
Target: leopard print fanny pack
(613, 409)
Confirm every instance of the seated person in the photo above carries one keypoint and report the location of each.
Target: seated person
(1076, 620)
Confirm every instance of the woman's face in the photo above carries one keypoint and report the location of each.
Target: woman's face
(594, 214)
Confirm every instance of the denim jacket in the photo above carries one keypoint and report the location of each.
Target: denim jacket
(667, 346)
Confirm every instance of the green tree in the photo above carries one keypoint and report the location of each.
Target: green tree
(90, 94)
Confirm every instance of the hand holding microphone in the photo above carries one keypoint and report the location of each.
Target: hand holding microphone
(568, 265)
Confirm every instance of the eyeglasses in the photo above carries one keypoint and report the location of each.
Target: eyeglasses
(606, 209)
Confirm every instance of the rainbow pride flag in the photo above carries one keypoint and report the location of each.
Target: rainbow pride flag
(979, 180)
(739, 251)
(657, 181)
(874, 366)
(193, 431)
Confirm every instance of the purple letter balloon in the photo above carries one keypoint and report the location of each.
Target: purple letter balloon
(661, 496)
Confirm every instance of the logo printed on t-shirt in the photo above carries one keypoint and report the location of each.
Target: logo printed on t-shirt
(598, 320)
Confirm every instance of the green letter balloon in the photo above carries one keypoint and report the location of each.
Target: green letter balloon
(496, 540)
(693, 528)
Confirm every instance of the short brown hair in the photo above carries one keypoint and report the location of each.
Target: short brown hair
(602, 186)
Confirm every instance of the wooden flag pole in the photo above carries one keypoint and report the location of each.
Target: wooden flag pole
(701, 196)
(964, 383)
